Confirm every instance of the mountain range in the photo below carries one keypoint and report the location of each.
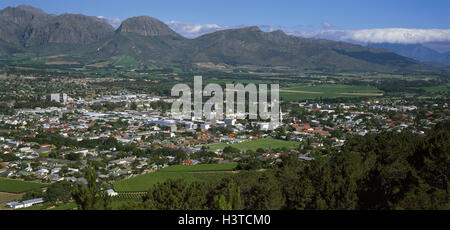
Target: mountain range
(418, 52)
(25, 30)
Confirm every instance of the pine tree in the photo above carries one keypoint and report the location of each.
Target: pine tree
(234, 198)
(91, 197)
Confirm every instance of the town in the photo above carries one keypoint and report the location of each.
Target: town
(125, 135)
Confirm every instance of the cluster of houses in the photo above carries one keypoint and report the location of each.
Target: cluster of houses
(320, 125)
(371, 116)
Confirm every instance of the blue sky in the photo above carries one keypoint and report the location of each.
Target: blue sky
(340, 14)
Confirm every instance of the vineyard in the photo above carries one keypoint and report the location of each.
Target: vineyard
(187, 173)
(264, 143)
(123, 198)
(200, 167)
(128, 197)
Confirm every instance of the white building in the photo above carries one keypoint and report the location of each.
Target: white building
(59, 97)
(24, 204)
(111, 192)
(230, 121)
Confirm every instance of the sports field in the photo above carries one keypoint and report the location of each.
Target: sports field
(266, 143)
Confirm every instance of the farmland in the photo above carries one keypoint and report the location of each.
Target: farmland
(208, 172)
(124, 61)
(436, 89)
(266, 143)
(296, 93)
(67, 206)
(199, 168)
(8, 197)
(18, 186)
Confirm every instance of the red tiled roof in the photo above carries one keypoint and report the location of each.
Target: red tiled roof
(318, 131)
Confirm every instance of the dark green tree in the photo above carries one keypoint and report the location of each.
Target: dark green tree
(90, 196)
(59, 192)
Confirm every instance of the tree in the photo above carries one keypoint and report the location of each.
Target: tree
(260, 191)
(73, 156)
(133, 106)
(33, 194)
(382, 171)
(173, 195)
(230, 200)
(231, 150)
(91, 197)
(296, 188)
(53, 154)
(59, 192)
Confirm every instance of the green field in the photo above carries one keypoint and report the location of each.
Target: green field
(18, 186)
(296, 93)
(66, 206)
(6, 197)
(266, 143)
(35, 207)
(207, 172)
(436, 89)
(200, 167)
(122, 198)
(124, 61)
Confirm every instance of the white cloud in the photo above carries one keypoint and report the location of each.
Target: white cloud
(192, 30)
(115, 22)
(364, 36)
(326, 25)
(387, 35)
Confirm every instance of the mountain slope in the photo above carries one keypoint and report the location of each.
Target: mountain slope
(145, 26)
(252, 46)
(28, 26)
(418, 52)
(164, 49)
(68, 28)
(15, 20)
(148, 40)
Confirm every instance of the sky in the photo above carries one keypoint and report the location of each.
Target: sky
(296, 16)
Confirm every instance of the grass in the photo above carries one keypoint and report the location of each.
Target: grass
(189, 174)
(8, 197)
(48, 206)
(200, 167)
(35, 207)
(300, 92)
(66, 206)
(124, 61)
(266, 143)
(145, 182)
(437, 89)
(18, 186)
(118, 201)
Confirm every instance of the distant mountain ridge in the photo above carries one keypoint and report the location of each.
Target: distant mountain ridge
(145, 26)
(28, 26)
(418, 52)
(148, 40)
